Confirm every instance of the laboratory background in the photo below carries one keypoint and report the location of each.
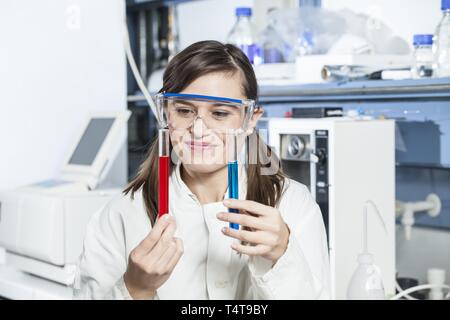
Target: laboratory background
(356, 95)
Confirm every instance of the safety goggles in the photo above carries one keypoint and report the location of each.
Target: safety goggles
(182, 111)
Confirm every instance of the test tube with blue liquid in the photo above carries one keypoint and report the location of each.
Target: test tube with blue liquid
(233, 183)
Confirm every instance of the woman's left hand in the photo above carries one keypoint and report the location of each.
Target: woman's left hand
(268, 234)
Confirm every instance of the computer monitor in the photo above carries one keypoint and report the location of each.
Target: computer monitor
(95, 150)
(91, 141)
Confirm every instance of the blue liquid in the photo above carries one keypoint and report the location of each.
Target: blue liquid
(233, 187)
(252, 51)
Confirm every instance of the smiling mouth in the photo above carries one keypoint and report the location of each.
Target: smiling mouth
(200, 145)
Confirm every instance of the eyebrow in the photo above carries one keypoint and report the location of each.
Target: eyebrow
(221, 104)
(185, 102)
(215, 104)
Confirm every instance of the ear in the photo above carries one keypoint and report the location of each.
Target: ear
(257, 114)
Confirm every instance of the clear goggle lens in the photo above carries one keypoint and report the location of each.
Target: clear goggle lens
(182, 111)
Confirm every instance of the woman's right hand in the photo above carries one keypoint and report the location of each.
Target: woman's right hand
(152, 261)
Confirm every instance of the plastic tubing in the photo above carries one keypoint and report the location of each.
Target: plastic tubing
(417, 288)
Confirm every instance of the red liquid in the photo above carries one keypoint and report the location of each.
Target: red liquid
(163, 196)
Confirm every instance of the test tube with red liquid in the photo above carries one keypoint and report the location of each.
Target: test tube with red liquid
(163, 172)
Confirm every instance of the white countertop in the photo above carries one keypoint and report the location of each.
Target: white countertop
(18, 285)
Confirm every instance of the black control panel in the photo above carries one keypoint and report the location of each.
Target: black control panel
(322, 191)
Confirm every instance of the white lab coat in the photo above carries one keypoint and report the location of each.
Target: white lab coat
(209, 268)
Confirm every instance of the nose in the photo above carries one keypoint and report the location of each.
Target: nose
(199, 128)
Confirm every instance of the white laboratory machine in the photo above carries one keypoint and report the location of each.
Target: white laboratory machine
(344, 162)
(42, 226)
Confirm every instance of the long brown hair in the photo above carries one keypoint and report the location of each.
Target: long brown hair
(199, 59)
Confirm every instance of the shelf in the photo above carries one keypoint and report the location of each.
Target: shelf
(376, 90)
(386, 90)
(431, 166)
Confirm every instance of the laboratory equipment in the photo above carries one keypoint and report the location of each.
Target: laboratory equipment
(403, 284)
(391, 74)
(242, 35)
(233, 177)
(441, 43)
(163, 171)
(38, 128)
(367, 282)
(305, 44)
(406, 210)
(324, 67)
(272, 45)
(423, 56)
(155, 33)
(419, 288)
(436, 277)
(317, 112)
(360, 72)
(343, 161)
(346, 72)
(42, 225)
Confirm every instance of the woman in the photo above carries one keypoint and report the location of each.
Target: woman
(280, 252)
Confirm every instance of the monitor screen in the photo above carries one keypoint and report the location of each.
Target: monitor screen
(91, 141)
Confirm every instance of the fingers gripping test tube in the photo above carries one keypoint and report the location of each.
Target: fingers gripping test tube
(233, 183)
(163, 172)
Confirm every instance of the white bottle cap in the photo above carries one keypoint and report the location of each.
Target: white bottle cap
(436, 276)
